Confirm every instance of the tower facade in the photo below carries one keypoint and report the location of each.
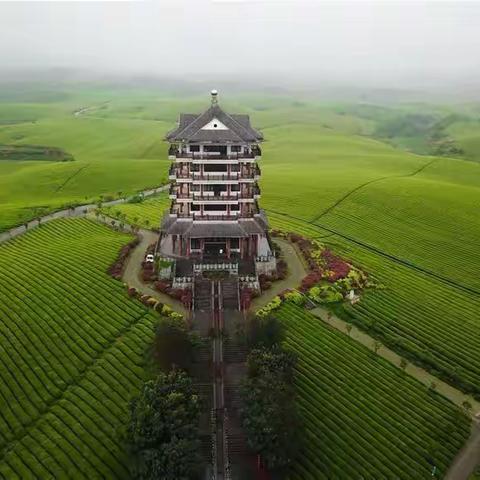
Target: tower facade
(214, 189)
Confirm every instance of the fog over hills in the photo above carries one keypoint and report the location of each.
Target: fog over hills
(311, 45)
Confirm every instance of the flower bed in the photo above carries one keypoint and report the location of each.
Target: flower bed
(182, 294)
(116, 269)
(330, 277)
(152, 303)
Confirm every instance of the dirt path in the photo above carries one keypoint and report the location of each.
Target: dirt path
(454, 395)
(131, 274)
(468, 457)
(296, 272)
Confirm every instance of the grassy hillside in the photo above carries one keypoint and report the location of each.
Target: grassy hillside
(73, 347)
(364, 418)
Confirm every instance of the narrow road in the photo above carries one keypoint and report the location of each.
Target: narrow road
(79, 211)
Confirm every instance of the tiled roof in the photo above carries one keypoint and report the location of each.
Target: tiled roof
(190, 128)
(189, 228)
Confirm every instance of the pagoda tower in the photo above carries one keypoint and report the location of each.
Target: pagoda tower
(214, 214)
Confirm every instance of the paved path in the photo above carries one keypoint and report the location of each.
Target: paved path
(78, 211)
(296, 272)
(133, 267)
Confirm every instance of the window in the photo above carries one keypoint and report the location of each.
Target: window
(215, 125)
(194, 148)
(214, 208)
(195, 208)
(235, 187)
(215, 148)
(215, 168)
(195, 244)
(235, 243)
(234, 207)
(236, 148)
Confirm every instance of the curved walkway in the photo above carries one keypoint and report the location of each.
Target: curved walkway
(296, 273)
(133, 267)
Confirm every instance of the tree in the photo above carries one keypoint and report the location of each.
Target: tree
(433, 386)
(348, 328)
(268, 411)
(163, 433)
(264, 332)
(173, 345)
(376, 346)
(467, 406)
(147, 222)
(403, 364)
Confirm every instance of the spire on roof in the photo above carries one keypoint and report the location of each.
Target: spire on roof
(214, 94)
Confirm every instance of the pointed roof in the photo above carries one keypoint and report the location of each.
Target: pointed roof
(234, 128)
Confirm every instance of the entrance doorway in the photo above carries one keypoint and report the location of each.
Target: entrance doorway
(215, 249)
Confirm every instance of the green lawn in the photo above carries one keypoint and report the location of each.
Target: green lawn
(363, 417)
(73, 346)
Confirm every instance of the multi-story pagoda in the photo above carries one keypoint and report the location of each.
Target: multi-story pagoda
(214, 212)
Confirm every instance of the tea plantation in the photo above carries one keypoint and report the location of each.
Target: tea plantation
(72, 350)
(364, 418)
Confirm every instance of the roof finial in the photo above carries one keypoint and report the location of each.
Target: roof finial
(214, 94)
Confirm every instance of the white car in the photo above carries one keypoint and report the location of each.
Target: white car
(150, 258)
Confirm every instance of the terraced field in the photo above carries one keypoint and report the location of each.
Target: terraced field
(72, 349)
(420, 316)
(363, 417)
(145, 214)
(418, 234)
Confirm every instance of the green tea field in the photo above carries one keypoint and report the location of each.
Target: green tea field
(367, 418)
(73, 347)
(368, 180)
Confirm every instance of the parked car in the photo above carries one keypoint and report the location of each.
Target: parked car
(150, 258)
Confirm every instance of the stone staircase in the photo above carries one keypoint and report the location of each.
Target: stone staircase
(230, 294)
(202, 292)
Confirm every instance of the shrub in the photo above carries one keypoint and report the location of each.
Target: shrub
(294, 297)
(162, 286)
(132, 292)
(275, 303)
(282, 269)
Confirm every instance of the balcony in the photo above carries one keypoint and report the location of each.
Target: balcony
(216, 198)
(175, 152)
(175, 193)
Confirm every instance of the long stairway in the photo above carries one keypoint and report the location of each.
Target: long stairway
(216, 313)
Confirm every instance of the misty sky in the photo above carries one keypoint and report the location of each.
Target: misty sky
(285, 39)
